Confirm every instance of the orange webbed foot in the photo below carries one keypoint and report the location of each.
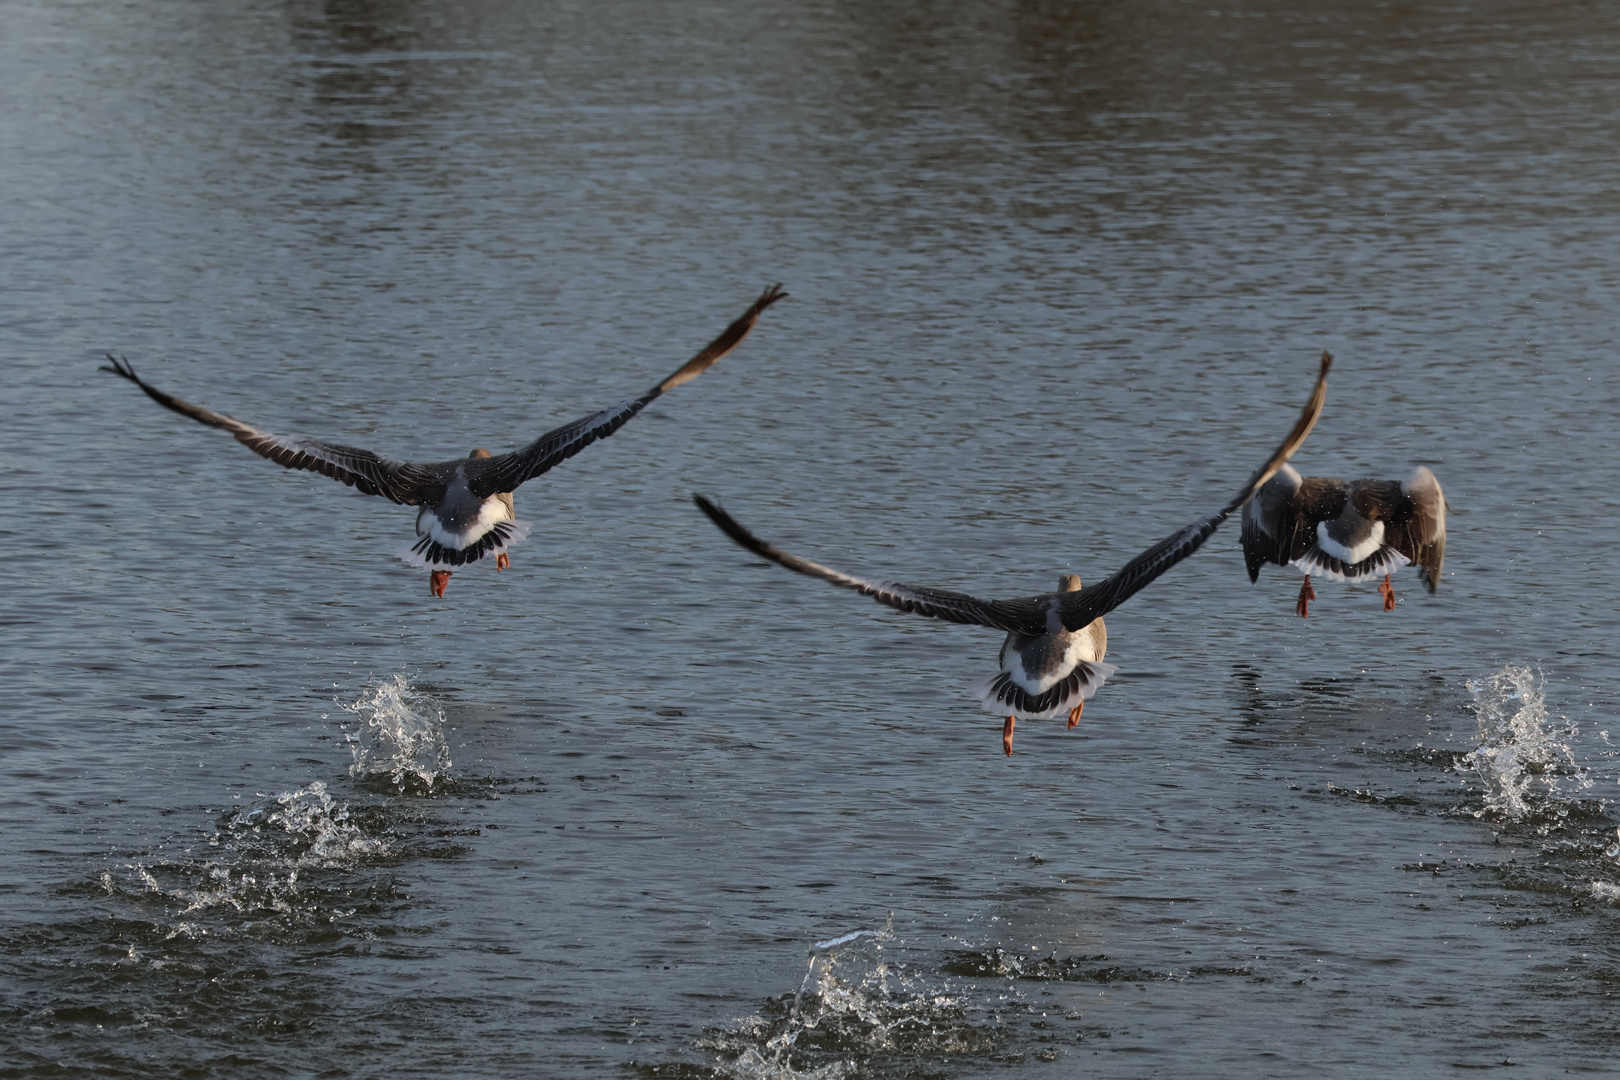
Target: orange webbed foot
(438, 581)
(1074, 715)
(1389, 594)
(503, 561)
(1306, 595)
(1006, 734)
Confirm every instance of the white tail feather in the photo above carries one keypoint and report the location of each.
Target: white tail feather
(427, 553)
(1316, 563)
(1093, 674)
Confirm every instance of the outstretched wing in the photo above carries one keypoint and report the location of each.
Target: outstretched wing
(1026, 616)
(1094, 601)
(370, 473)
(490, 476)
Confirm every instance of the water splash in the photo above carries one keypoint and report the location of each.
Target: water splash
(261, 854)
(854, 1007)
(1524, 758)
(320, 825)
(401, 737)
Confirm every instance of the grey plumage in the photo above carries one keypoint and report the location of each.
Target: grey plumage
(1046, 675)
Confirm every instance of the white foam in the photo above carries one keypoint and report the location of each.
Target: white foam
(263, 852)
(321, 822)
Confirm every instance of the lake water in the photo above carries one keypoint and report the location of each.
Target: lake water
(644, 805)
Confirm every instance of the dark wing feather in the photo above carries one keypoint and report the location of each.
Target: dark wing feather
(1415, 521)
(1083, 607)
(1026, 616)
(489, 476)
(1431, 559)
(1269, 525)
(1257, 545)
(1094, 601)
(1319, 499)
(363, 470)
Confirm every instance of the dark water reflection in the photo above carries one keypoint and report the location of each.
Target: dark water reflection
(1059, 274)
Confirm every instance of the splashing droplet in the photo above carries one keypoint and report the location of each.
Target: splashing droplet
(1524, 756)
(857, 1011)
(401, 738)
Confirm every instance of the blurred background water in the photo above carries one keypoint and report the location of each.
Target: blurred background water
(1059, 275)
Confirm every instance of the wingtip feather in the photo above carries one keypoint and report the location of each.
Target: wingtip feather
(726, 524)
(1291, 444)
(120, 365)
(721, 346)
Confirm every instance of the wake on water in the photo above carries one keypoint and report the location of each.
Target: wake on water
(856, 1009)
(228, 927)
(256, 866)
(258, 862)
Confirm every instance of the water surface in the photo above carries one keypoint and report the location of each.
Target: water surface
(1059, 274)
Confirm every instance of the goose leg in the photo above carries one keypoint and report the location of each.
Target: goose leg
(1389, 594)
(503, 562)
(1074, 715)
(1006, 734)
(440, 579)
(1306, 595)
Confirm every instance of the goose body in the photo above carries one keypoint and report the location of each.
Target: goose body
(1052, 658)
(463, 528)
(1052, 673)
(1347, 530)
(465, 507)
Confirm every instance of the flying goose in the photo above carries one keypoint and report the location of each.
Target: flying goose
(466, 505)
(1346, 530)
(1052, 660)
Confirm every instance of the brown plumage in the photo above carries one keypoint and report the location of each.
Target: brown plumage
(1348, 530)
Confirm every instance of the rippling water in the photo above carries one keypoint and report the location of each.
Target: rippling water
(645, 806)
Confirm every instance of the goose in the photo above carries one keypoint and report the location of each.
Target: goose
(1052, 659)
(466, 512)
(1347, 530)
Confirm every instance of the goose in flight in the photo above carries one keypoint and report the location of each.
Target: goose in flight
(466, 505)
(1347, 530)
(1052, 660)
